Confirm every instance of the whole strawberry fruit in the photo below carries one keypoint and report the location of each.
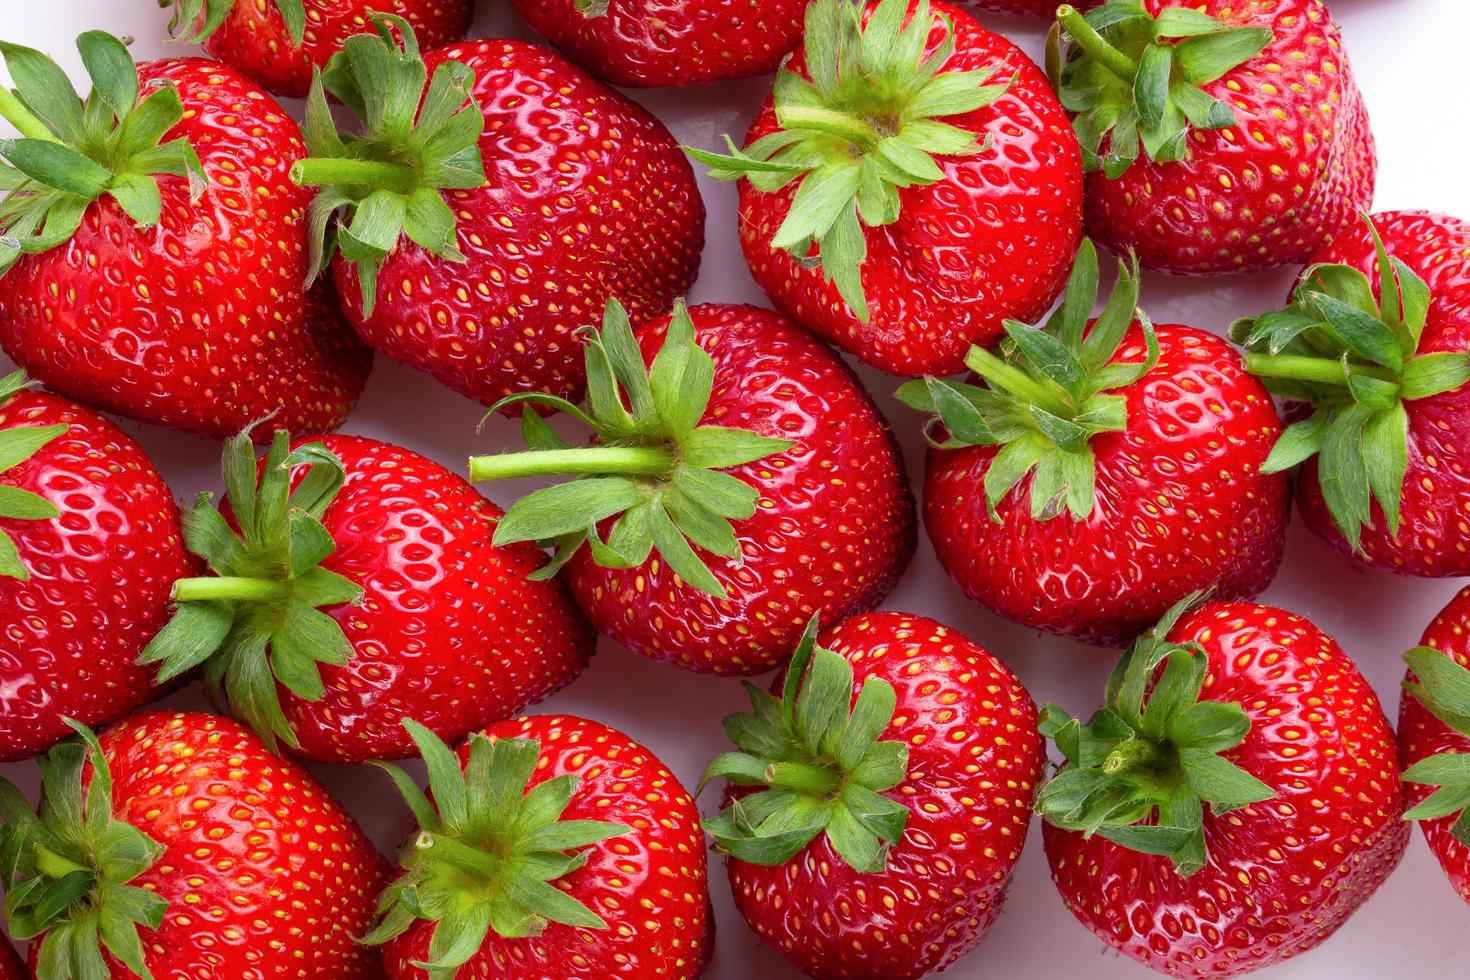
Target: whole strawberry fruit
(476, 232)
(355, 585)
(1219, 136)
(1103, 470)
(753, 482)
(1235, 800)
(280, 43)
(883, 183)
(1434, 739)
(1374, 347)
(90, 546)
(554, 847)
(880, 798)
(650, 43)
(179, 846)
(155, 253)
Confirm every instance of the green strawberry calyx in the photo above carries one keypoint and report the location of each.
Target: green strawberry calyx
(860, 126)
(258, 620)
(1443, 687)
(487, 850)
(195, 20)
(68, 867)
(815, 763)
(73, 152)
(591, 8)
(1046, 393)
(1142, 771)
(653, 466)
(1138, 80)
(1354, 359)
(19, 443)
(389, 182)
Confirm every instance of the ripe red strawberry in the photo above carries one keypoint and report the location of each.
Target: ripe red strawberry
(754, 485)
(878, 840)
(194, 852)
(355, 585)
(555, 847)
(1374, 343)
(480, 231)
(1234, 802)
(650, 43)
(1104, 470)
(881, 194)
(176, 295)
(279, 43)
(1434, 739)
(90, 546)
(1219, 136)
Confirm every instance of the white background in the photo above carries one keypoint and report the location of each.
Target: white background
(1407, 55)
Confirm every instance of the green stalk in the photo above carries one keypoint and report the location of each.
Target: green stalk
(802, 777)
(341, 171)
(15, 113)
(589, 460)
(1011, 379)
(1095, 44)
(1318, 370)
(833, 123)
(220, 588)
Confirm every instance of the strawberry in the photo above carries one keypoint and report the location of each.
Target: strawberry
(1233, 803)
(164, 280)
(12, 967)
(355, 584)
(883, 183)
(178, 846)
(1103, 470)
(753, 482)
(555, 847)
(1218, 136)
(280, 43)
(1434, 739)
(474, 234)
(651, 43)
(1374, 348)
(880, 798)
(90, 546)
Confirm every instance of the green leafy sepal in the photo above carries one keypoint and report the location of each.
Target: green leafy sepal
(1141, 772)
(195, 20)
(19, 443)
(487, 850)
(1443, 687)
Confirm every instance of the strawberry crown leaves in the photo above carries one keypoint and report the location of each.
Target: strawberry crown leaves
(19, 443)
(1138, 79)
(591, 8)
(416, 144)
(258, 620)
(860, 128)
(1443, 687)
(67, 867)
(1355, 360)
(487, 850)
(73, 152)
(195, 20)
(1142, 770)
(653, 463)
(1045, 395)
(817, 764)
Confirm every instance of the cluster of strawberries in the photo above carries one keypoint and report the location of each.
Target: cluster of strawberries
(177, 249)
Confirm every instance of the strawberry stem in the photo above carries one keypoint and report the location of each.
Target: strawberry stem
(15, 113)
(1095, 44)
(226, 588)
(802, 777)
(340, 171)
(626, 460)
(840, 124)
(1320, 370)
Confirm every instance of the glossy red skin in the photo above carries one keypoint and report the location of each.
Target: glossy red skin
(1422, 735)
(1284, 874)
(12, 967)
(1182, 505)
(589, 197)
(450, 632)
(994, 239)
(653, 43)
(185, 325)
(832, 533)
(266, 876)
(100, 577)
(651, 886)
(974, 761)
(1297, 170)
(253, 37)
(1434, 535)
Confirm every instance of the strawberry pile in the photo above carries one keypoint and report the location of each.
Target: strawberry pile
(914, 193)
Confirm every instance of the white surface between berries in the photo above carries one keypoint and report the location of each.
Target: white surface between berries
(1407, 57)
